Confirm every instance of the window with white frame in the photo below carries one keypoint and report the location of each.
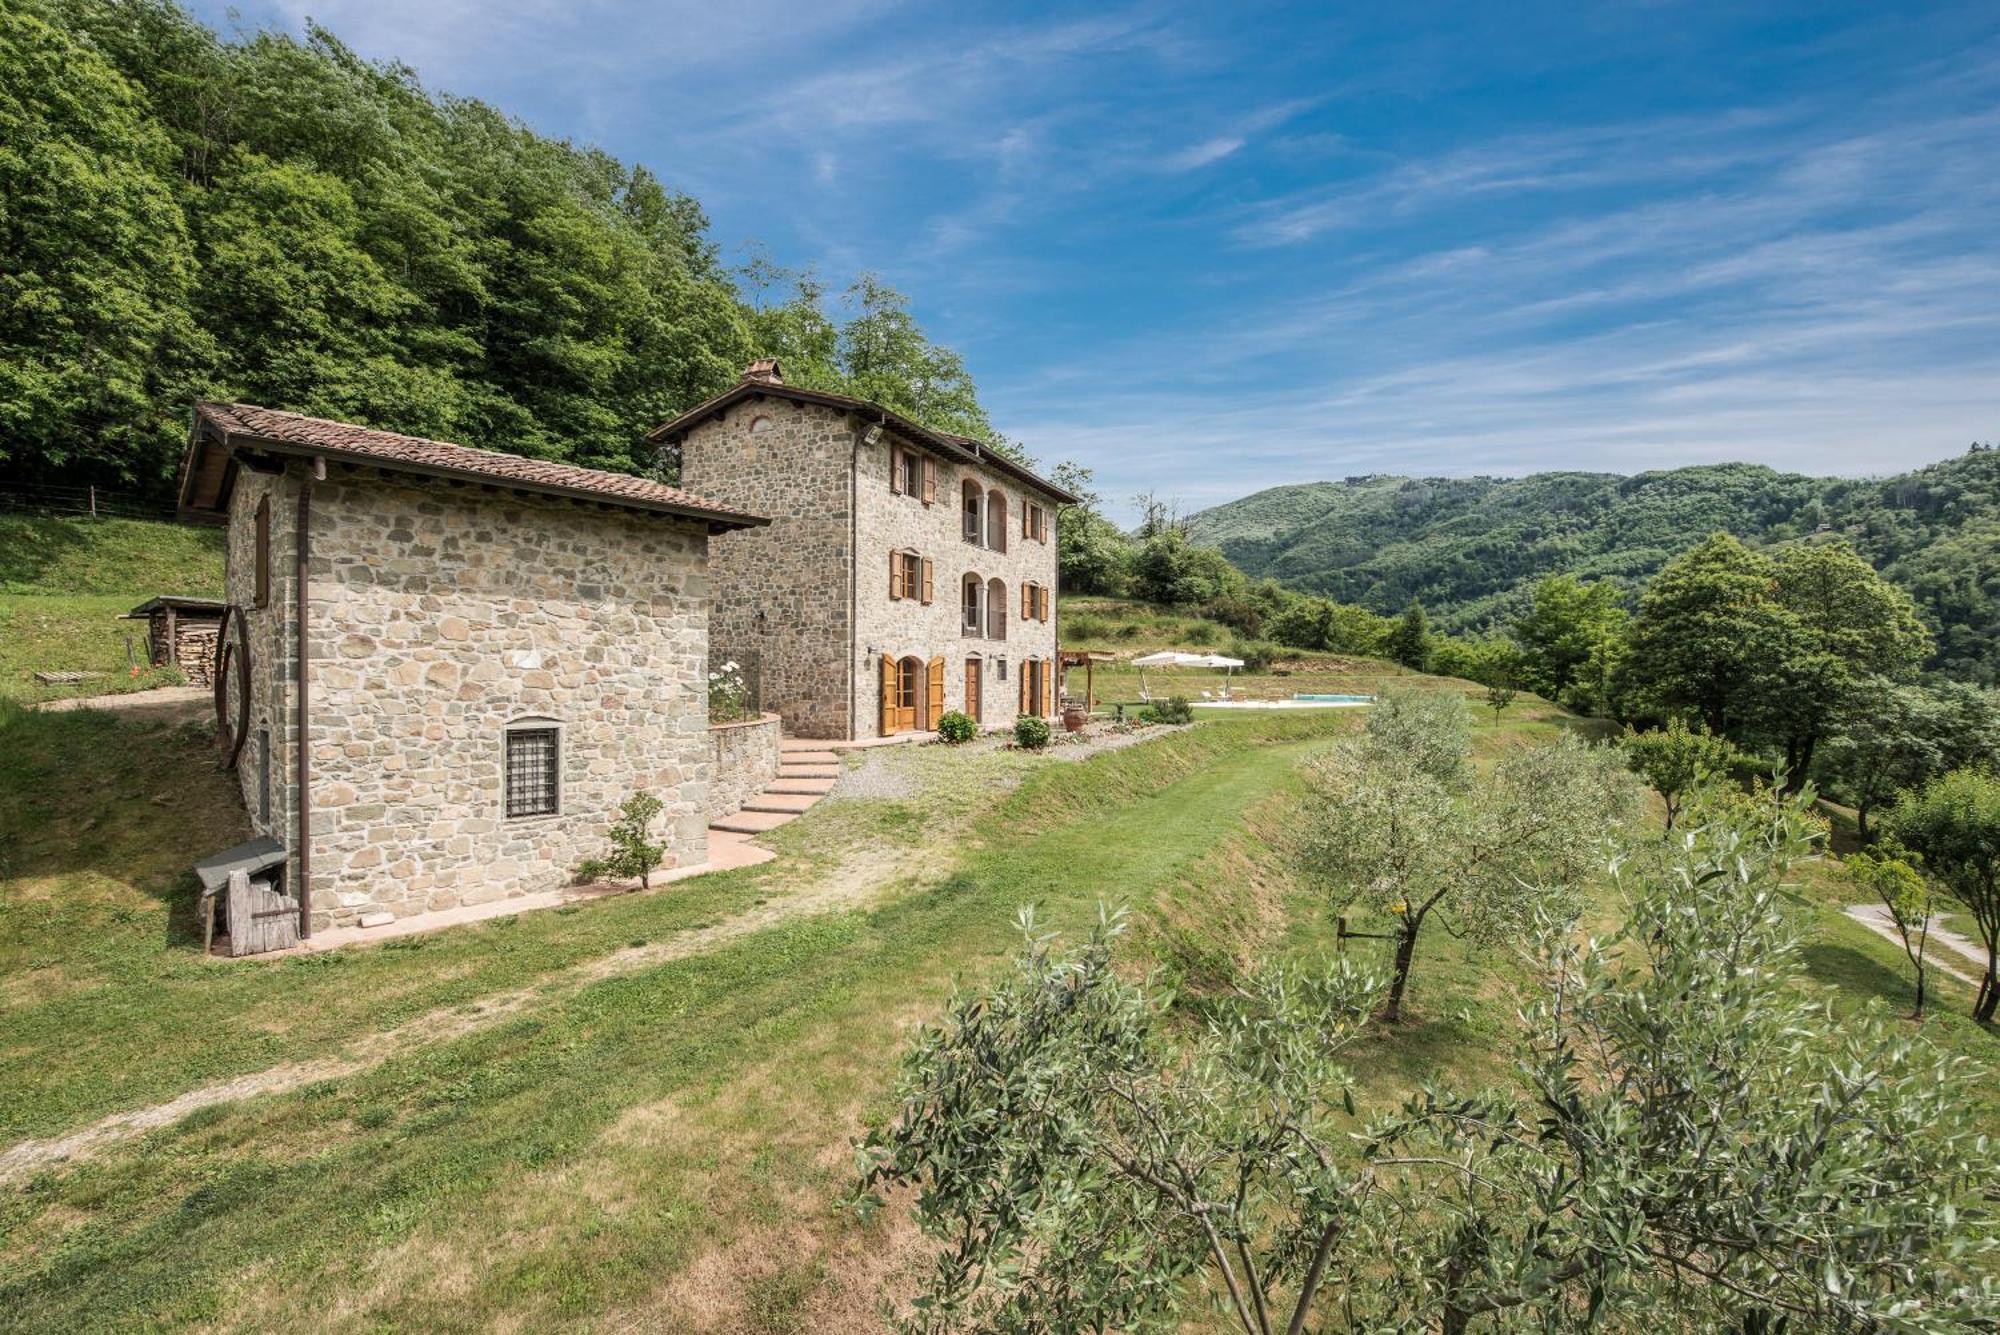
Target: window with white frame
(973, 600)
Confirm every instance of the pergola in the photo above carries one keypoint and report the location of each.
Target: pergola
(1086, 659)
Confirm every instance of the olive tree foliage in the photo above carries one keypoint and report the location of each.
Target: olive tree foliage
(1693, 1143)
(1401, 823)
(1703, 1146)
(1080, 1173)
(1953, 823)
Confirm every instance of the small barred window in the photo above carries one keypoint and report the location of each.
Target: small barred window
(533, 764)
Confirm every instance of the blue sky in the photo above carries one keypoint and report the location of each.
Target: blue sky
(1209, 249)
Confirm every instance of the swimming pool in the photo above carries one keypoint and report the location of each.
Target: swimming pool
(1296, 702)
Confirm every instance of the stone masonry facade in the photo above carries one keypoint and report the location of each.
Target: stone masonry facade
(746, 757)
(808, 598)
(783, 593)
(439, 615)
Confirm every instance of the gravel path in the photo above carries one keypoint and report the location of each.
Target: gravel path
(1876, 919)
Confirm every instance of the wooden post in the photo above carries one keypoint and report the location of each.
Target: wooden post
(93, 501)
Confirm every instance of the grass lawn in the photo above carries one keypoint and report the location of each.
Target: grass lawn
(570, 1119)
(64, 583)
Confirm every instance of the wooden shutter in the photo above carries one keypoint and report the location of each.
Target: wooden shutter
(1048, 687)
(930, 483)
(1027, 602)
(896, 469)
(1042, 598)
(1027, 520)
(264, 552)
(935, 670)
(888, 694)
(1024, 675)
(927, 581)
(895, 575)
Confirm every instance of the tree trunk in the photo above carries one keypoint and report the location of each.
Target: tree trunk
(1799, 762)
(1406, 951)
(1861, 820)
(1989, 994)
(1920, 992)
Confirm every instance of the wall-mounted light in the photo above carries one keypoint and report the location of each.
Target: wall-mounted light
(872, 434)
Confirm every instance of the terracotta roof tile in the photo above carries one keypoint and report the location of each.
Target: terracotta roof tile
(389, 449)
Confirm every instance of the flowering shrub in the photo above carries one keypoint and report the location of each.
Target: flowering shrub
(728, 697)
(955, 728)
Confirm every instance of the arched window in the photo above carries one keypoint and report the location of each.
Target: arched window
(972, 597)
(973, 508)
(996, 609)
(759, 425)
(996, 520)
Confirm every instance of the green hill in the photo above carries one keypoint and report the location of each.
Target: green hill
(65, 582)
(1471, 548)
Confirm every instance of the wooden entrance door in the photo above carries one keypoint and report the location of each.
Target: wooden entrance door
(902, 678)
(972, 692)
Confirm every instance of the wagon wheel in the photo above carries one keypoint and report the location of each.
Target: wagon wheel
(230, 734)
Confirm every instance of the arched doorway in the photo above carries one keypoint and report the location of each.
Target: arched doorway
(912, 693)
(974, 688)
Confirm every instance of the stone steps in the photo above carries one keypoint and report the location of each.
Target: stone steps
(808, 771)
(792, 802)
(753, 822)
(808, 757)
(819, 786)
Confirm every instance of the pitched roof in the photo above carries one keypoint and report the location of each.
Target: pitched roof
(220, 428)
(963, 448)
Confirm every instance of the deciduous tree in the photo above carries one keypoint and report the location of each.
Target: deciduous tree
(1953, 822)
(1676, 760)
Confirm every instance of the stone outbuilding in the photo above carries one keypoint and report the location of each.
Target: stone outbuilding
(905, 571)
(445, 668)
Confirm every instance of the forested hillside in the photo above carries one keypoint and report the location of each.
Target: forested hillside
(1470, 549)
(284, 222)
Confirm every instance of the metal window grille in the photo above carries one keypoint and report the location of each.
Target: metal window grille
(531, 772)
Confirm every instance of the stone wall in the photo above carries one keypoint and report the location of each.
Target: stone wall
(266, 769)
(886, 522)
(782, 594)
(438, 615)
(744, 760)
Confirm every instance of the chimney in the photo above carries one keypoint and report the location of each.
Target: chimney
(764, 371)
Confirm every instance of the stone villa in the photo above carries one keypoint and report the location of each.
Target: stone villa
(440, 670)
(905, 571)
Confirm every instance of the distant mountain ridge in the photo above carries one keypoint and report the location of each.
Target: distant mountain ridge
(1471, 549)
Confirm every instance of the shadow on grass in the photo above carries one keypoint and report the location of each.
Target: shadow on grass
(1859, 975)
(132, 799)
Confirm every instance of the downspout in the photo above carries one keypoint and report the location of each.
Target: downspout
(316, 473)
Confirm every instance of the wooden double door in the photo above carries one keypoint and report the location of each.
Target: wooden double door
(912, 693)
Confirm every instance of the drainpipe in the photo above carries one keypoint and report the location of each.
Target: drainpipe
(315, 473)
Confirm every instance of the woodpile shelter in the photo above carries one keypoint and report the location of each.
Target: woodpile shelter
(182, 632)
(443, 669)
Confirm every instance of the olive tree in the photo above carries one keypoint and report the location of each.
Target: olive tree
(1703, 1145)
(1401, 822)
(1080, 1173)
(1953, 822)
(1694, 1143)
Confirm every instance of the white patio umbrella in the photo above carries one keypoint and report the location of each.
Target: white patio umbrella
(1173, 658)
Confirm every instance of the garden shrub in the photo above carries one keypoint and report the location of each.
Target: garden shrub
(1173, 710)
(1031, 733)
(955, 728)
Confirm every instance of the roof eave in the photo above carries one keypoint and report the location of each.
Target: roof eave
(718, 521)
